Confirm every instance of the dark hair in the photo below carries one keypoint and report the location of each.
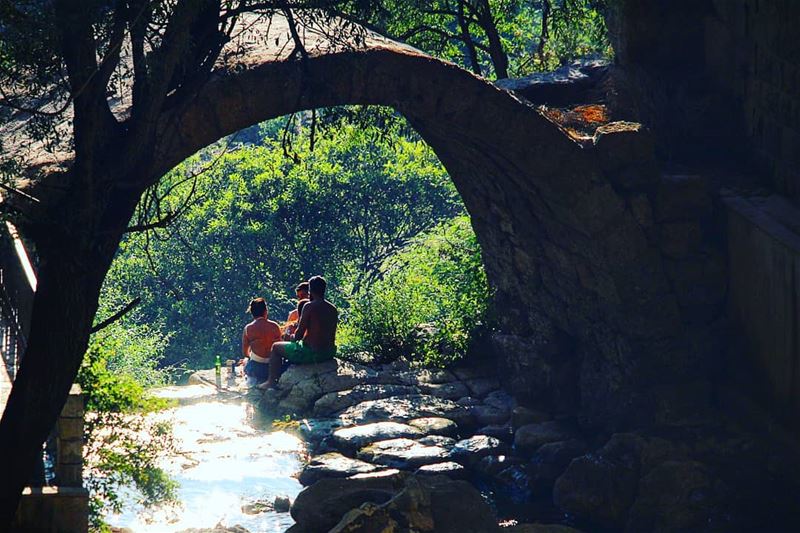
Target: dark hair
(257, 307)
(317, 285)
(302, 287)
(300, 305)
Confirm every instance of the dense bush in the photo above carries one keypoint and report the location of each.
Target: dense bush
(262, 220)
(431, 302)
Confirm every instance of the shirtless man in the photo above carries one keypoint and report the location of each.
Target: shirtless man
(257, 340)
(315, 338)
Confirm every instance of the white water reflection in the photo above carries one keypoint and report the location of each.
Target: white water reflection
(226, 461)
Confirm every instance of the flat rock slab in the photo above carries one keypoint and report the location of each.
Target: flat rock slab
(471, 450)
(448, 391)
(355, 437)
(334, 465)
(298, 373)
(403, 454)
(438, 440)
(434, 425)
(405, 408)
(333, 402)
(450, 469)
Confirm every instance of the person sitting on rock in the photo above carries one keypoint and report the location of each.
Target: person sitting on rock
(315, 337)
(290, 328)
(257, 340)
(302, 294)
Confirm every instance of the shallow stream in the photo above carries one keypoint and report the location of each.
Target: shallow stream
(228, 459)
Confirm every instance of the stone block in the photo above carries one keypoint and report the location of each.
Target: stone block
(70, 428)
(53, 509)
(73, 407)
(626, 153)
(70, 451)
(69, 475)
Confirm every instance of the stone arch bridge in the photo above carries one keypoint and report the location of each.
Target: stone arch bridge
(579, 238)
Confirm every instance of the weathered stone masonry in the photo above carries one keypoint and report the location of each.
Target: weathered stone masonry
(718, 81)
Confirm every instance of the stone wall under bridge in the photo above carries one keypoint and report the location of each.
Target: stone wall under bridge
(62, 507)
(613, 309)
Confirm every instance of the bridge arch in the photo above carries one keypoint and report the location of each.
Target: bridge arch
(590, 322)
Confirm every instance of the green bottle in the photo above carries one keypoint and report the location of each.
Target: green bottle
(218, 370)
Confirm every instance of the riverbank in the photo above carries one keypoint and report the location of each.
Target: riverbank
(379, 425)
(386, 442)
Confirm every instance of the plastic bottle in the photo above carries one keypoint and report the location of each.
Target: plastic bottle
(218, 371)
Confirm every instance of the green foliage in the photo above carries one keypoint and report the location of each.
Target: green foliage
(461, 31)
(122, 444)
(262, 221)
(430, 304)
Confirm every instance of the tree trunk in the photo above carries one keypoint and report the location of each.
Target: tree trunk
(73, 264)
(496, 50)
(545, 35)
(64, 306)
(466, 38)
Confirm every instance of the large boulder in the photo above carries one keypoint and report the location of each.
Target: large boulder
(674, 496)
(405, 408)
(392, 503)
(551, 460)
(403, 453)
(433, 425)
(302, 385)
(600, 487)
(448, 468)
(469, 451)
(355, 437)
(321, 506)
(333, 402)
(334, 465)
(425, 504)
(299, 373)
(530, 437)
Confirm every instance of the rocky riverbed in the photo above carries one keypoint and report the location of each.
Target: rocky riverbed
(391, 448)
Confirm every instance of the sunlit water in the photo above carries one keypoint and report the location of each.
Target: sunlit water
(227, 458)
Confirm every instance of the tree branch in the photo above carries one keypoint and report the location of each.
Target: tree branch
(116, 316)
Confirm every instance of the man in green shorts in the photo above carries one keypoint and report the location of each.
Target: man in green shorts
(315, 337)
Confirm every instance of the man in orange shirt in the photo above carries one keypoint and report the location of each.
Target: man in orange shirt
(257, 339)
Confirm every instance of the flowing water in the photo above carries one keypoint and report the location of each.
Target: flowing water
(227, 459)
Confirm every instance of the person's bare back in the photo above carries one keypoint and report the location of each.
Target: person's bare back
(318, 325)
(315, 337)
